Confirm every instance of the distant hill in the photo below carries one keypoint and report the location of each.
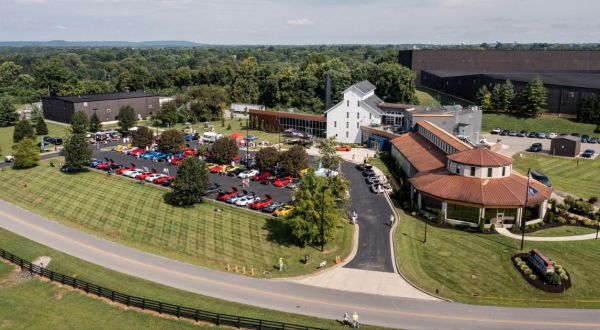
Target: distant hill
(132, 44)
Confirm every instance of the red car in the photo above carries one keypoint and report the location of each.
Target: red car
(137, 151)
(258, 205)
(262, 176)
(123, 169)
(103, 165)
(268, 180)
(224, 195)
(282, 182)
(163, 179)
(143, 175)
(216, 169)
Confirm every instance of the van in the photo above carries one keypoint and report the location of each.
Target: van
(210, 137)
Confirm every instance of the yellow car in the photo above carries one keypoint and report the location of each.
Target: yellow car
(232, 168)
(284, 211)
(303, 172)
(211, 165)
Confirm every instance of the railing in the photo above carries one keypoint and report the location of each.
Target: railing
(153, 305)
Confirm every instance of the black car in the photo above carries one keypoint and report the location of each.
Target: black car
(505, 132)
(236, 172)
(588, 153)
(360, 167)
(536, 147)
(272, 207)
(533, 135)
(69, 169)
(585, 138)
(167, 183)
(575, 134)
(522, 133)
(593, 140)
(54, 140)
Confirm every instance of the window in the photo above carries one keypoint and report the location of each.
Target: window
(358, 115)
(347, 124)
(457, 169)
(489, 172)
(346, 133)
(358, 104)
(571, 95)
(504, 171)
(357, 125)
(335, 124)
(472, 170)
(347, 114)
(369, 116)
(348, 103)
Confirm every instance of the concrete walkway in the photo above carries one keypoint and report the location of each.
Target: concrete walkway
(507, 233)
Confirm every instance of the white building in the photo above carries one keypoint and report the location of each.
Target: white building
(243, 108)
(358, 108)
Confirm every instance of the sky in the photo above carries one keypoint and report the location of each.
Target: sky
(303, 21)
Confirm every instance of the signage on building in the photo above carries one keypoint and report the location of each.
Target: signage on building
(540, 262)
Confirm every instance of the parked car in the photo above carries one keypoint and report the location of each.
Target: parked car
(143, 175)
(360, 167)
(162, 179)
(377, 188)
(262, 176)
(343, 148)
(496, 130)
(232, 199)
(588, 153)
(368, 172)
(532, 135)
(235, 172)
(216, 169)
(576, 134)
(154, 176)
(69, 169)
(505, 132)
(268, 180)
(9, 159)
(282, 182)
(248, 174)
(215, 188)
(522, 133)
(54, 140)
(372, 179)
(551, 135)
(536, 147)
(260, 204)
(167, 182)
(593, 140)
(133, 174)
(272, 207)
(136, 151)
(246, 200)
(541, 135)
(512, 133)
(223, 196)
(284, 211)
(585, 138)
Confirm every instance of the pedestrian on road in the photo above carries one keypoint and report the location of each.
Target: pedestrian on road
(353, 156)
(346, 319)
(392, 218)
(280, 264)
(355, 324)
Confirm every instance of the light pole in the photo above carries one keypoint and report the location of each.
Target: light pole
(323, 219)
(247, 139)
(524, 213)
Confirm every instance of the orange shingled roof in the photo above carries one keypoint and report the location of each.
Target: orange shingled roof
(508, 191)
(480, 157)
(445, 136)
(422, 154)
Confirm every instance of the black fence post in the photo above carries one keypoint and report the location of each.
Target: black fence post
(218, 319)
(112, 295)
(87, 287)
(196, 317)
(143, 303)
(128, 300)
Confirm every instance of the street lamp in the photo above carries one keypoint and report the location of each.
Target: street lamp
(247, 139)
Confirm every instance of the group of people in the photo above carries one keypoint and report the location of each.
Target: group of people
(245, 183)
(354, 322)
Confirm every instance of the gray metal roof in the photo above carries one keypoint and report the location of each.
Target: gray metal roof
(374, 101)
(364, 86)
(101, 97)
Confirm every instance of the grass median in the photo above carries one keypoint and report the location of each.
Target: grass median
(476, 268)
(6, 136)
(126, 212)
(34, 304)
(580, 178)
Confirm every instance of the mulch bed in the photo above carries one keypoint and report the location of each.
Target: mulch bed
(539, 282)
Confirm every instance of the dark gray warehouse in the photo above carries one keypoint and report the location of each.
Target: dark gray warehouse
(106, 106)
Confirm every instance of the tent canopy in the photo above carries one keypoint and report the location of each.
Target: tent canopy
(236, 135)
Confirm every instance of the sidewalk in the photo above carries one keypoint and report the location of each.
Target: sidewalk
(507, 233)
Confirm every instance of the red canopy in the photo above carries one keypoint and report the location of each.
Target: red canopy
(236, 135)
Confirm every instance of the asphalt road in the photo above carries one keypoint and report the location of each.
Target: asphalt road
(374, 252)
(517, 144)
(286, 296)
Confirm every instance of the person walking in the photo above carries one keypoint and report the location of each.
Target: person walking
(355, 324)
(346, 319)
(392, 218)
(280, 264)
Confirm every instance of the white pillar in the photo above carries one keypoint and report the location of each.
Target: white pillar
(519, 216)
(418, 201)
(444, 210)
(543, 208)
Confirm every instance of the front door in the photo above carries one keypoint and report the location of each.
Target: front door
(500, 220)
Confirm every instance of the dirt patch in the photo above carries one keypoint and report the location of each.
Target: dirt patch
(5, 323)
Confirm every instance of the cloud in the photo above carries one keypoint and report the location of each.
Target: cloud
(29, 2)
(300, 22)
(59, 27)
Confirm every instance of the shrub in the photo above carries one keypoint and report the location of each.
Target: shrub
(564, 277)
(553, 278)
(493, 227)
(572, 222)
(482, 225)
(440, 218)
(553, 203)
(528, 271)
(587, 222)
(561, 220)
(593, 200)
(550, 217)
(570, 200)
(533, 277)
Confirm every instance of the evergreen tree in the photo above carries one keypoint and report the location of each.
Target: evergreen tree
(497, 97)
(23, 130)
(224, 150)
(77, 151)
(190, 183)
(26, 153)
(315, 206)
(8, 113)
(484, 98)
(40, 126)
(170, 141)
(126, 118)
(95, 123)
(142, 137)
(79, 123)
(508, 95)
(533, 97)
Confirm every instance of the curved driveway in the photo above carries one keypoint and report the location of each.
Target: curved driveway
(284, 295)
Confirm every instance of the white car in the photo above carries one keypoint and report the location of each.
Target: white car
(9, 159)
(496, 130)
(244, 201)
(135, 173)
(128, 172)
(551, 135)
(377, 188)
(152, 177)
(248, 174)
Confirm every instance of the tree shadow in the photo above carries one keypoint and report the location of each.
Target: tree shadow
(278, 232)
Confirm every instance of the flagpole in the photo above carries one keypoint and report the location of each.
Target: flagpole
(525, 210)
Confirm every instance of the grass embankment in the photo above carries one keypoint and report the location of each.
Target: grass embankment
(121, 210)
(577, 177)
(563, 231)
(33, 304)
(476, 268)
(432, 98)
(6, 136)
(548, 124)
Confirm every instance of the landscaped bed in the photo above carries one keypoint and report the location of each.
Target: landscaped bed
(543, 282)
(120, 210)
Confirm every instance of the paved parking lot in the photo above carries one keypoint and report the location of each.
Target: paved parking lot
(514, 144)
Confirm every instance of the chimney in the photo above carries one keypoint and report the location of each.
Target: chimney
(327, 91)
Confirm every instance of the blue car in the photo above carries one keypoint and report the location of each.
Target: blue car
(94, 163)
(588, 153)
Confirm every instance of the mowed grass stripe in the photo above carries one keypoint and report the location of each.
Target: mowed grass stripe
(119, 209)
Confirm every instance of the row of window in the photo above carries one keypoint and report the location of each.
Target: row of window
(437, 141)
(348, 103)
(347, 124)
(489, 171)
(357, 115)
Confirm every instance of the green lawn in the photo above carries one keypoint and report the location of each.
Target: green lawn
(6, 136)
(24, 308)
(563, 231)
(578, 177)
(4, 270)
(121, 210)
(433, 98)
(476, 268)
(426, 99)
(545, 123)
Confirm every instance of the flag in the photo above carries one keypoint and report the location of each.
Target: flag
(530, 190)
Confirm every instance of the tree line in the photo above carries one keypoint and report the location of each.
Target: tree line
(528, 102)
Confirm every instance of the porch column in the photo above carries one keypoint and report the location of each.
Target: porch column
(444, 210)
(480, 215)
(542, 210)
(418, 201)
(519, 216)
